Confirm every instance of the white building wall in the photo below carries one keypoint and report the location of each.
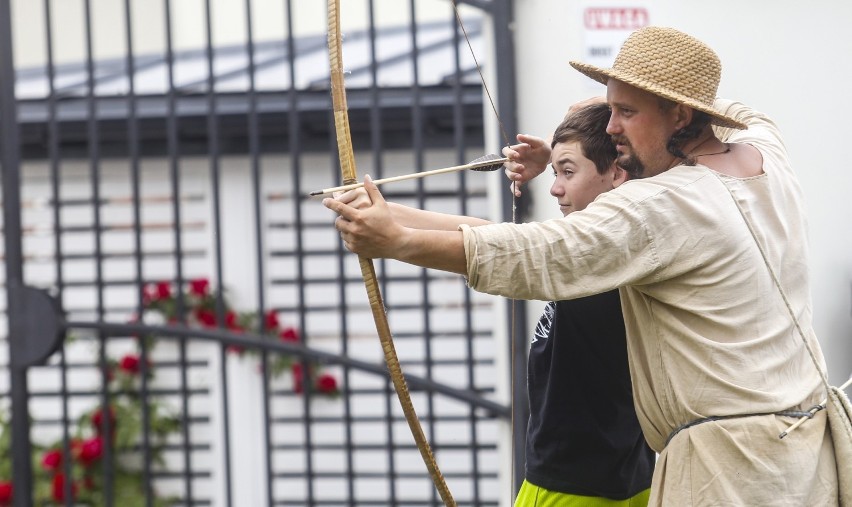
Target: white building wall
(786, 58)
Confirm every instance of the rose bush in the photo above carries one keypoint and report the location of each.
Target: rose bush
(200, 307)
(85, 454)
(75, 471)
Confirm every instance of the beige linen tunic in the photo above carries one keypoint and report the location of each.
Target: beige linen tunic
(708, 333)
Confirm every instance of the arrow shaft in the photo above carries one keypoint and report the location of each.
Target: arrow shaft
(473, 166)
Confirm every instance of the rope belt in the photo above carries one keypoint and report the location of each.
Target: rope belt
(786, 413)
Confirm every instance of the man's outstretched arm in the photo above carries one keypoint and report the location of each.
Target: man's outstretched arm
(372, 232)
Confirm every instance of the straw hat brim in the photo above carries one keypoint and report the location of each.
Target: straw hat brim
(602, 75)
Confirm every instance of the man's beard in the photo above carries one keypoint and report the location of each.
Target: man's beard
(631, 165)
(628, 162)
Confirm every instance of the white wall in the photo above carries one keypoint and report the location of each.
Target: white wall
(787, 58)
(188, 20)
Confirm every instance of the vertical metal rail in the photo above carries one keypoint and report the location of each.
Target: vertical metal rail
(174, 171)
(139, 278)
(254, 153)
(10, 159)
(94, 176)
(376, 148)
(53, 154)
(378, 163)
(461, 145)
(504, 52)
(215, 176)
(339, 252)
(418, 145)
(296, 173)
(376, 144)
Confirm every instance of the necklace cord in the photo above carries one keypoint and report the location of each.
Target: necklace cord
(690, 159)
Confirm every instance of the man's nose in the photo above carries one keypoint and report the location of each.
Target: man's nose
(612, 126)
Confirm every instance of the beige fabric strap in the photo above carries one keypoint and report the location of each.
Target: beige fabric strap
(822, 373)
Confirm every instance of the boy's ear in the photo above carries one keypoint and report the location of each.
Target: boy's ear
(619, 175)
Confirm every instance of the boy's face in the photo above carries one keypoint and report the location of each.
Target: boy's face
(577, 181)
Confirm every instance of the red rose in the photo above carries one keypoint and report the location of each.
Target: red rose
(271, 320)
(327, 384)
(130, 364)
(298, 386)
(5, 492)
(205, 317)
(152, 293)
(235, 349)
(91, 450)
(232, 321)
(289, 335)
(149, 294)
(98, 419)
(51, 460)
(199, 287)
(59, 488)
(164, 290)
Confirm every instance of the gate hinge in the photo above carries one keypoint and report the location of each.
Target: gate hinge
(36, 326)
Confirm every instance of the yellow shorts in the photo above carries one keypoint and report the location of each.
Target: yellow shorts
(534, 496)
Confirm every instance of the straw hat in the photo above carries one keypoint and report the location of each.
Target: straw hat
(668, 63)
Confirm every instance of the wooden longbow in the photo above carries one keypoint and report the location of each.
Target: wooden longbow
(368, 271)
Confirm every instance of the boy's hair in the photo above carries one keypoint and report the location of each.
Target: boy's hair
(588, 126)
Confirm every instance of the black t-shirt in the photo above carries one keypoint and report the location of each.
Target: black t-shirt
(583, 435)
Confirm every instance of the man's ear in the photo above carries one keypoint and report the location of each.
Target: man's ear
(619, 175)
(683, 116)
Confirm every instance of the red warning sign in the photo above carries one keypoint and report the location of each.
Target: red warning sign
(615, 18)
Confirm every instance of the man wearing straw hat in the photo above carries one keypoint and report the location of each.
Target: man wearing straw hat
(695, 246)
(584, 445)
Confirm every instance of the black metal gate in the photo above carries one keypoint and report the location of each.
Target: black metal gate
(184, 326)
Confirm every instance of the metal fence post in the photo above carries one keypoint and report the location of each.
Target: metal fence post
(10, 159)
(504, 49)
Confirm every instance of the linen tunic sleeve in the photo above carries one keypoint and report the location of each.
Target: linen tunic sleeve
(762, 132)
(605, 246)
